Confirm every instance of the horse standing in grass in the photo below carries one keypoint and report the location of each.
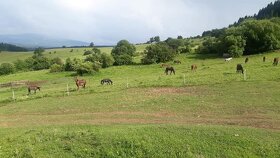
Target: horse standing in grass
(81, 83)
(177, 62)
(107, 81)
(171, 69)
(33, 88)
(239, 68)
(193, 67)
(275, 61)
(246, 60)
(264, 59)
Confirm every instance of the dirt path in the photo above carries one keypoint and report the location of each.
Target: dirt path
(125, 117)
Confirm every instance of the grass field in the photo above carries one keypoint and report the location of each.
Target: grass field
(212, 112)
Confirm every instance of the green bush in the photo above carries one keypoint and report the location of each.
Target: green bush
(84, 68)
(56, 68)
(69, 65)
(7, 68)
(88, 52)
(106, 60)
(157, 53)
(57, 61)
(123, 53)
(21, 65)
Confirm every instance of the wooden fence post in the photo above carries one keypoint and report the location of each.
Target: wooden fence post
(68, 93)
(244, 75)
(127, 82)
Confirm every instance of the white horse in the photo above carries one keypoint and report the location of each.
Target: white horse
(228, 59)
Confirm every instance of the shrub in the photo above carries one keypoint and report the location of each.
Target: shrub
(69, 65)
(88, 52)
(106, 60)
(21, 65)
(84, 68)
(57, 60)
(123, 52)
(56, 68)
(7, 68)
(157, 53)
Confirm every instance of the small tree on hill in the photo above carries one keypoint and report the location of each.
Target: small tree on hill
(157, 53)
(123, 53)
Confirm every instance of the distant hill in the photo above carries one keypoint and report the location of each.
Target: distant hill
(34, 41)
(11, 47)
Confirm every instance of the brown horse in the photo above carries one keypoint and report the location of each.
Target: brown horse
(239, 69)
(264, 59)
(171, 69)
(81, 83)
(275, 61)
(193, 67)
(164, 65)
(33, 88)
(246, 60)
(177, 62)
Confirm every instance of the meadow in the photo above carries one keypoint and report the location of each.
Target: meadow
(213, 112)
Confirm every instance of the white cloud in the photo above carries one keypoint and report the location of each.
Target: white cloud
(107, 21)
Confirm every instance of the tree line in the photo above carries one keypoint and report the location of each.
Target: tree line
(11, 47)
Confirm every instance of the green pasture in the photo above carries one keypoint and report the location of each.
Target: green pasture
(212, 112)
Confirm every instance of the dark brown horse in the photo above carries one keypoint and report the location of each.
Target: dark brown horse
(33, 88)
(275, 61)
(81, 83)
(264, 59)
(239, 68)
(246, 60)
(177, 62)
(171, 69)
(193, 67)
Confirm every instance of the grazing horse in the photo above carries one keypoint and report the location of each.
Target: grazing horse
(264, 59)
(193, 67)
(275, 61)
(228, 59)
(246, 60)
(107, 81)
(239, 68)
(177, 62)
(33, 88)
(171, 69)
(164, 65)
(81, 82)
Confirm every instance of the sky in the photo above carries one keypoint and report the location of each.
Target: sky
(105, 22)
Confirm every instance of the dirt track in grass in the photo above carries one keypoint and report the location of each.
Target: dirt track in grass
(164, 116)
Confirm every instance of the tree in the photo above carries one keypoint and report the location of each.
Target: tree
(7, 68)
(157, 53)
(175, 43)
(235, 45)
(91, 44)
(69, 65)
(157, 39)
(41, 63)
(38, 52)
(106, 60)
(123, 53)
(180, 37)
